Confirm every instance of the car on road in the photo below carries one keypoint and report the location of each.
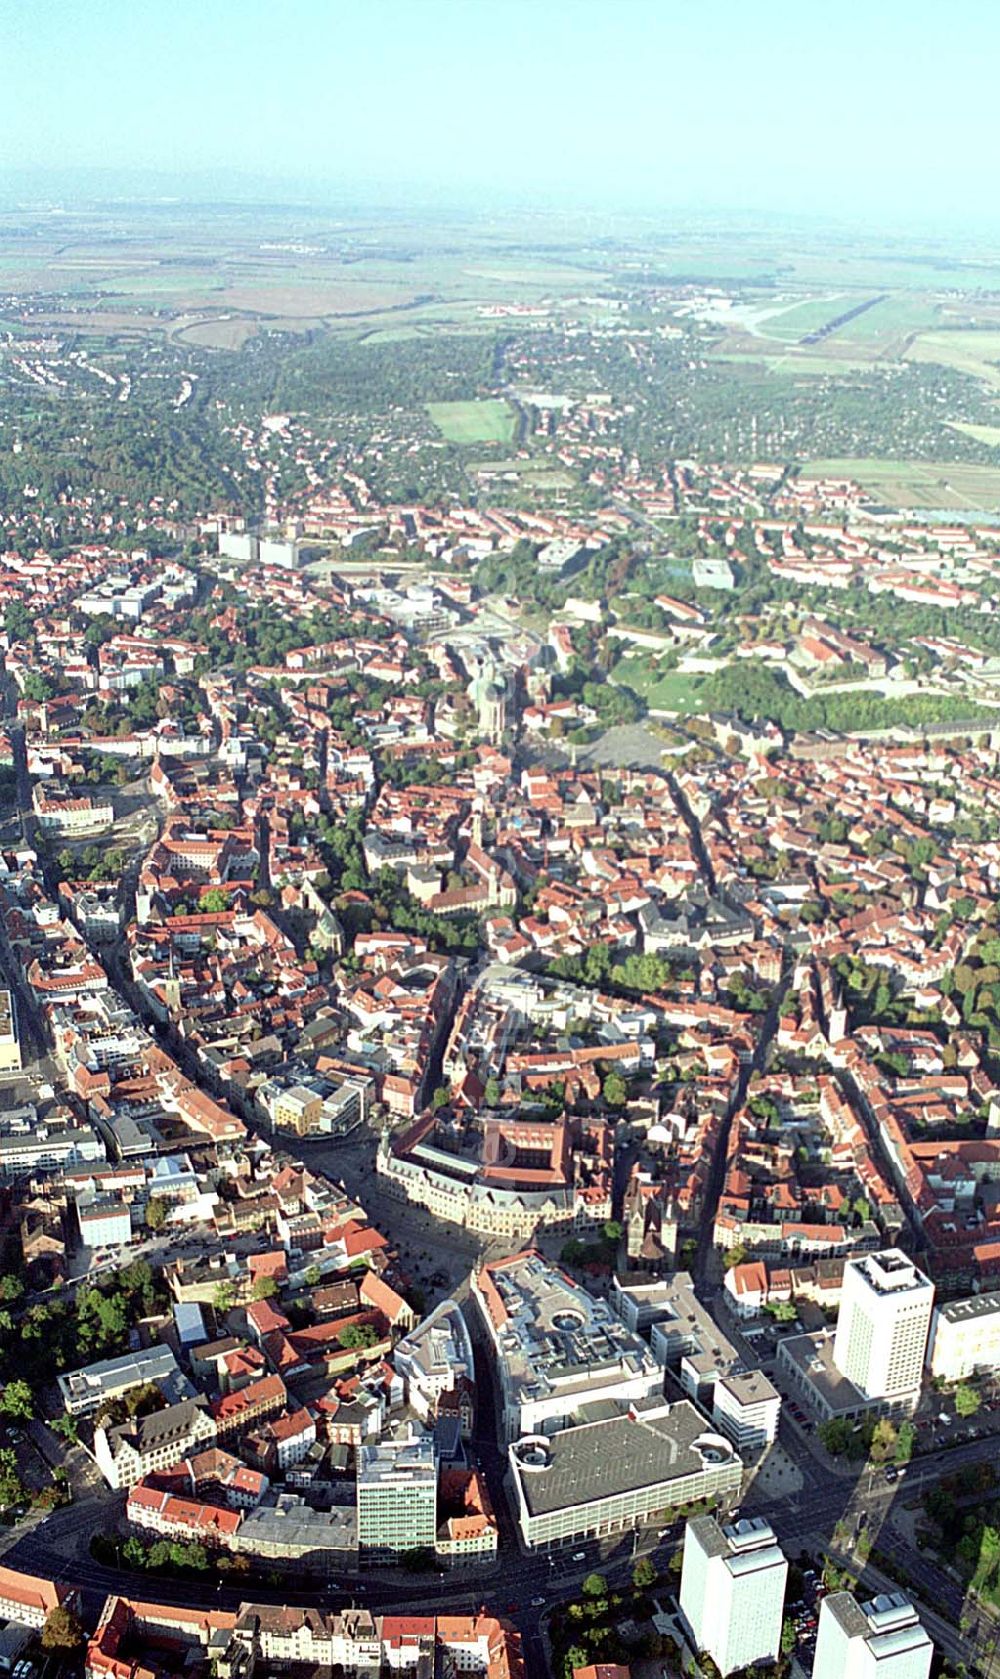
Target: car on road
(538, 1602)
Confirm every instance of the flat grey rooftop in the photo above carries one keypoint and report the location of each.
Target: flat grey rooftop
(620, 1455)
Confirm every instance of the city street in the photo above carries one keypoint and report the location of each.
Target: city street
(803, 1523)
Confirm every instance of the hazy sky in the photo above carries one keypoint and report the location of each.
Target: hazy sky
(867, 106)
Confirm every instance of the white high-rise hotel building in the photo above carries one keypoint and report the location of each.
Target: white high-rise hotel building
(882, 1639)
(733, 1591)
(885, 1314)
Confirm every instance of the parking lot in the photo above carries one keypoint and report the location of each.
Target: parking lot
(804, 1613)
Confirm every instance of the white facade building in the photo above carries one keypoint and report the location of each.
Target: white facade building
(239, 545)
(130, 1451)
(882, 1639)
(71, 818)
(885, 1315)
(965, 1338)
(10, 1048)
(105, 1221)
(31, 1144)
(733, 1591)
(97, 917)
(276, 550)
(746, 1407)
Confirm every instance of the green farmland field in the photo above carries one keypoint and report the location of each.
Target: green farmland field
(990, 435)
(943, 484)
(976, 352)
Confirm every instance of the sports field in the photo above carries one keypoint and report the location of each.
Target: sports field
(490, 421)
(945, 484)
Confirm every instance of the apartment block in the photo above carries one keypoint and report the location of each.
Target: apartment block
(882, 1638)
(733, 1591)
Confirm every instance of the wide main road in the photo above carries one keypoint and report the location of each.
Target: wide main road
(519, 1589)
(521, 1585)
(867, 1504)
